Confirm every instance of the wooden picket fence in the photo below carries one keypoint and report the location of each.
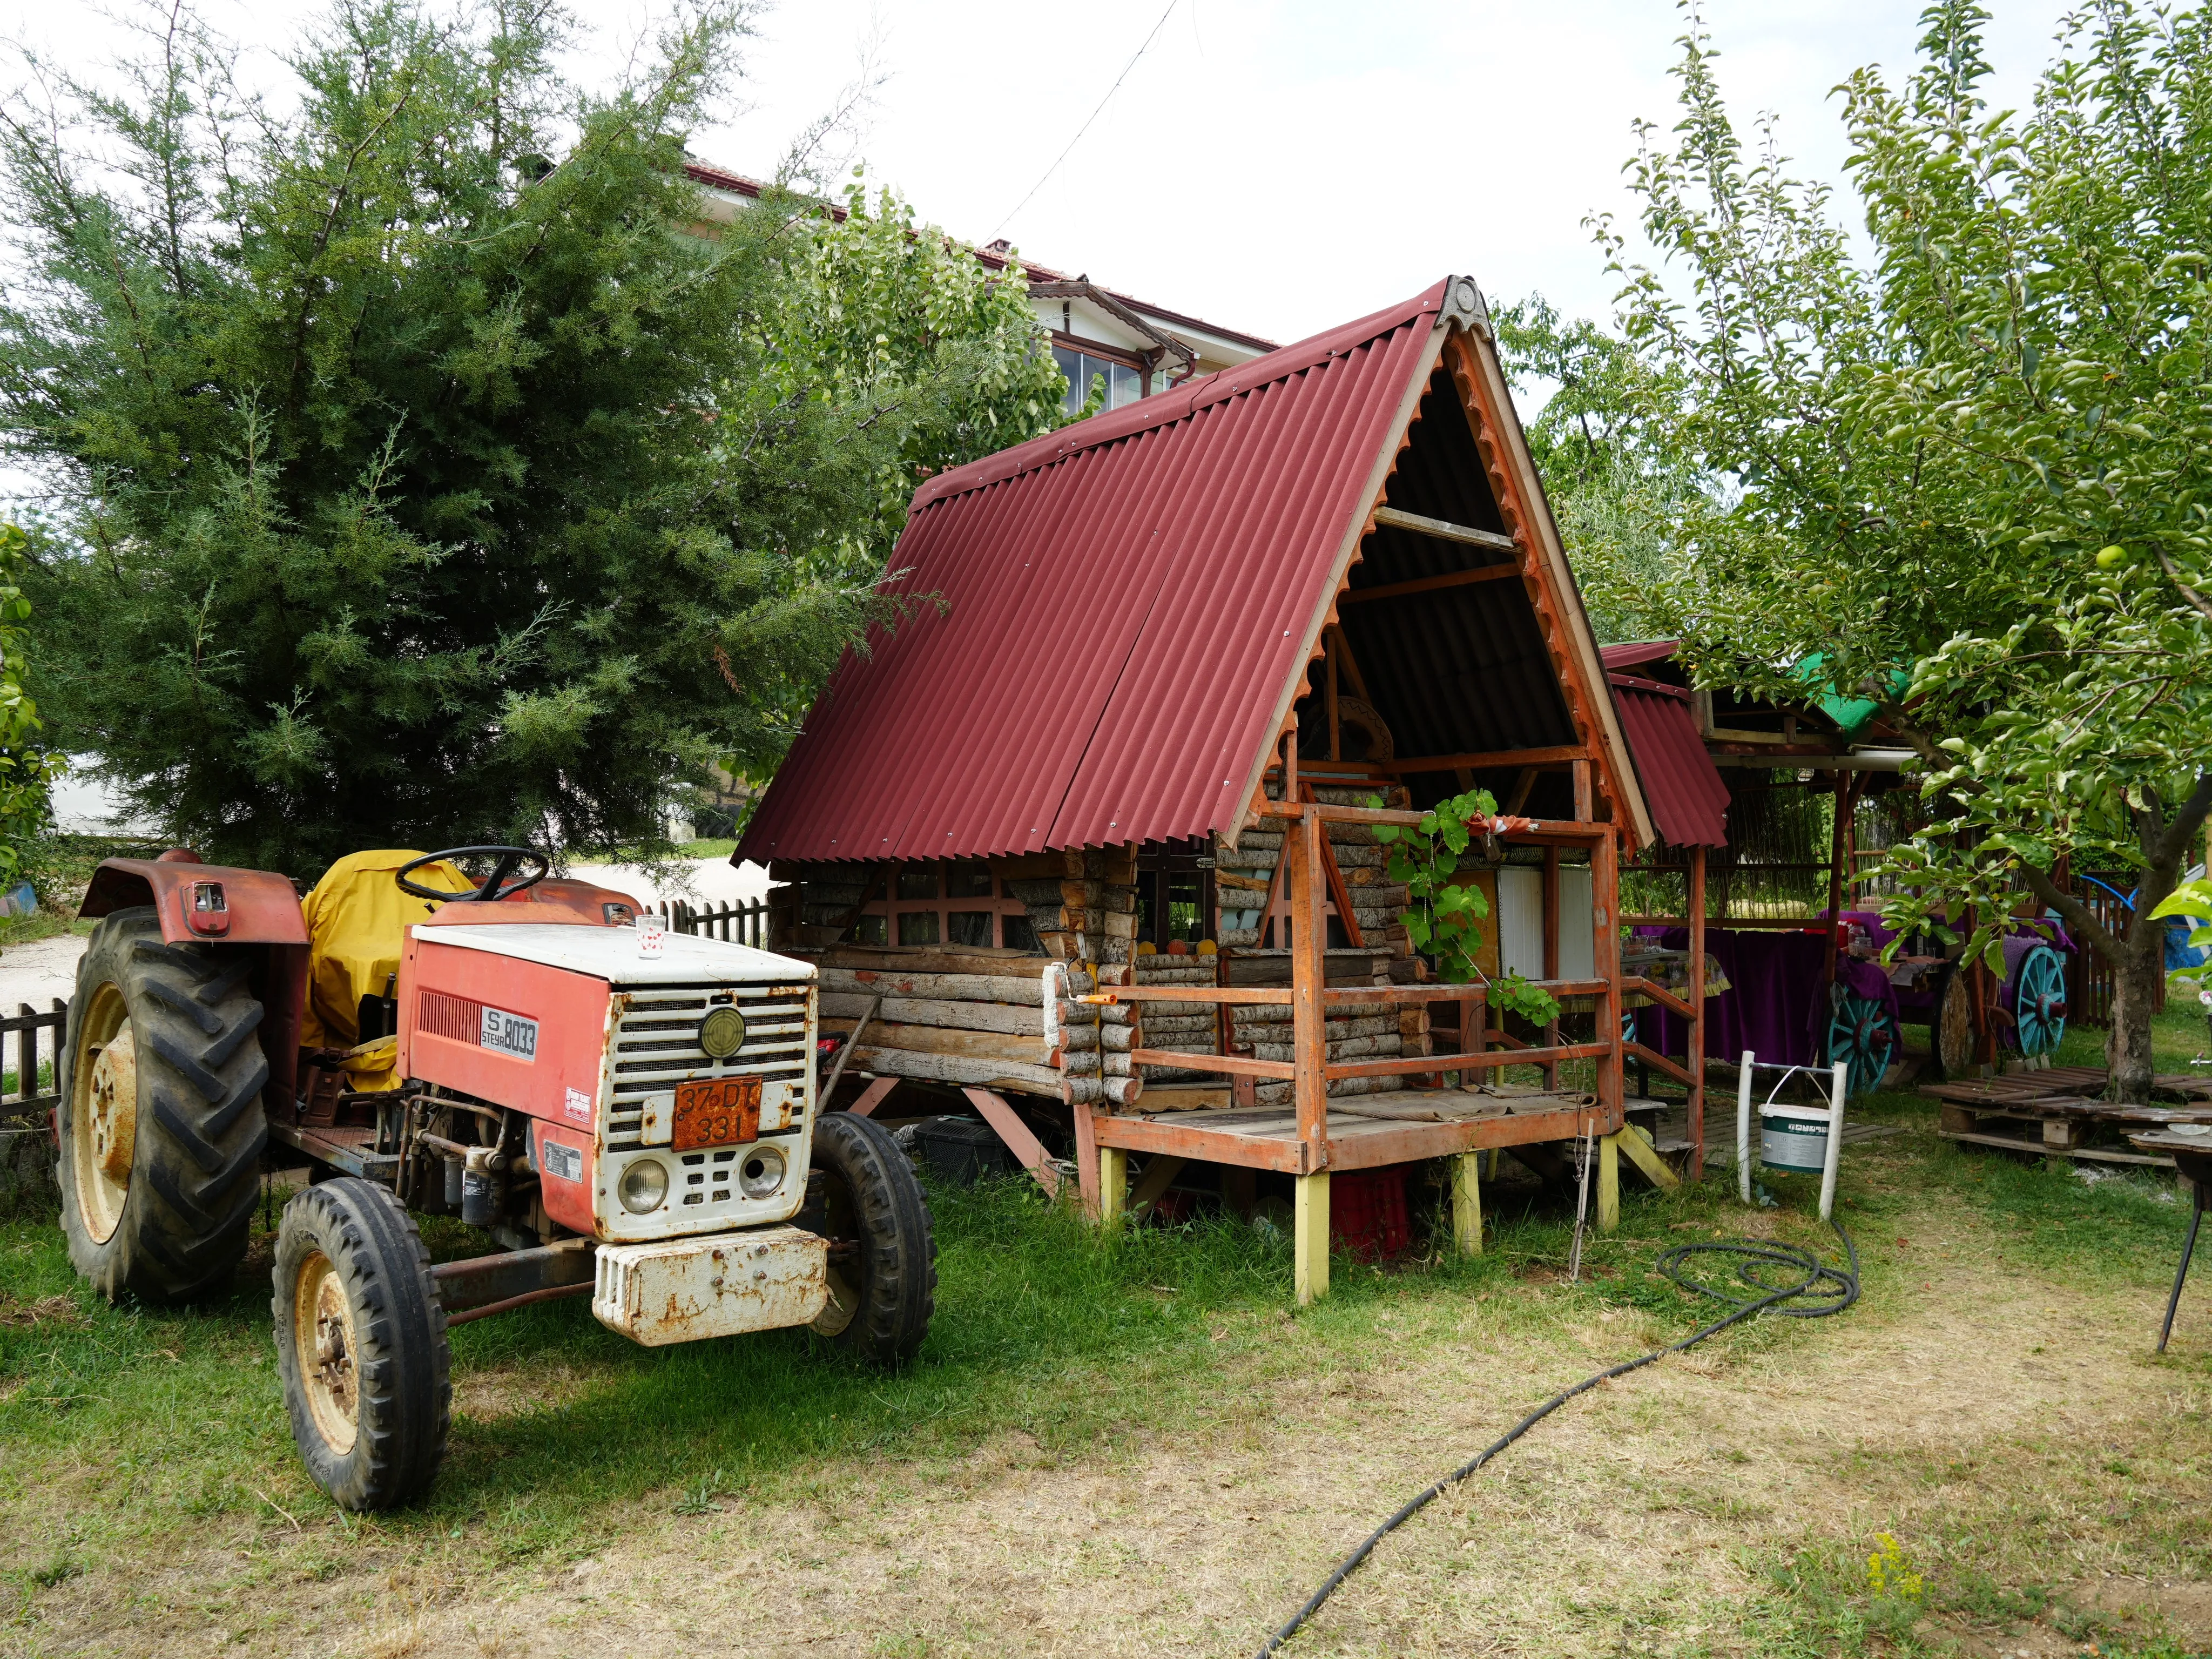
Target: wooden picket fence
(737, 924)
(28, 1097)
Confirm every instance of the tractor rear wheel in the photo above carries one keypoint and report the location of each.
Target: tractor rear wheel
(161, 1127)
(360, 1345)
(883, 1255)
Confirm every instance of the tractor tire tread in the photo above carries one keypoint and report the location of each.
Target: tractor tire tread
(195, 1173)
(898, 1296)
(405, 1366)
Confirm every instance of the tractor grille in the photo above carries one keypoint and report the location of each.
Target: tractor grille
(657, 1045)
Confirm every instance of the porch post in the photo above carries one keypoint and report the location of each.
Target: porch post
(1551, 954)
(1605, 922)
(1309, 1051)
(1696, 1056)
(1466, 1203)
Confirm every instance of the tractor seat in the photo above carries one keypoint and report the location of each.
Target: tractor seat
(357, 920)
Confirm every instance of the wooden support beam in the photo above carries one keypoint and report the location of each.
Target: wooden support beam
(1310, 1238)
(1159, 1174)
(1329, 693)
(1340, 896)
(1608, 1182)
(1233, 1065)
(1025, 1146)
(1697, 1052)
(1484, 573)
(1351, 664)
(1658, 993)
(1302, 850)
(1466, 1203)
(1605, 923)
(1660, 1062)
(1444, 529)
(1585, 805)
(1113, 1186)
(1551, 926)
(1521, 784)
(1478, 759)
(1644, 1157)
(1087, 1159)
(872, 1097)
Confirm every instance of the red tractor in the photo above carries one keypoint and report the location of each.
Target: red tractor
(625, 1114)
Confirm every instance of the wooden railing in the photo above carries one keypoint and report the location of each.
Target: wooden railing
(1311, 998)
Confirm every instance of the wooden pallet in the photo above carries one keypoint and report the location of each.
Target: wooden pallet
(2058, 1082)
(2061, 1126)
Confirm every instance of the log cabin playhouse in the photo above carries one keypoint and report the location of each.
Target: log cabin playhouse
(1086, 837)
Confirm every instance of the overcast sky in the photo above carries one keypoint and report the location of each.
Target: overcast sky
(1275, 165)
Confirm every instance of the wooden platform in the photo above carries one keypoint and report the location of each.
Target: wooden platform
(2056, 1112)
(1364, 1132)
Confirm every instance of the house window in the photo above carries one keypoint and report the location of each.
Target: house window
(1125, 383)
(943, 904)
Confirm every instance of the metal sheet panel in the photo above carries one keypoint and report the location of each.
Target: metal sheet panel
(1687, 797)
(1103, 619)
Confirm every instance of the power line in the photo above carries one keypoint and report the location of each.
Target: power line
(1094, 115)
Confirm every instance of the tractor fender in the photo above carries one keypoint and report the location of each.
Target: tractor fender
(259, 908)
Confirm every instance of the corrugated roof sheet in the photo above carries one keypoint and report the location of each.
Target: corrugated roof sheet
(1124, 601)
(1109, 620)
(1687, 794)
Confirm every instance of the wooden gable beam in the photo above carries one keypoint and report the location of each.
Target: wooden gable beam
(1546, 577)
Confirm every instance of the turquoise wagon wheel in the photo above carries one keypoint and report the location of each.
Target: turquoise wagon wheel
(1860, 1035)
(2038, 1003)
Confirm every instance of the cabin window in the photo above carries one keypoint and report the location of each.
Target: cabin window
(967, 927)
(944, 905)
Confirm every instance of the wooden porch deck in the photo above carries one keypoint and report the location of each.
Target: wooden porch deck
(1362, 1132)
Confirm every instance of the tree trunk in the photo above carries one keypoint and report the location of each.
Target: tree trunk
(2141, 963)
(2135, 974)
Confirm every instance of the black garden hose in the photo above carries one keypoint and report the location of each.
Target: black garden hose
(1815, 1291)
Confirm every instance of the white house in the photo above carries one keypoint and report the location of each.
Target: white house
(1137, 347)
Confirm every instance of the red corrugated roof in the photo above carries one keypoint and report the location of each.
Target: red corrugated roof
(1636, 653)
(1684, 789)
(1111, 621)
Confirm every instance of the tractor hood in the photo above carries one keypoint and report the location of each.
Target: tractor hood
(612, 954)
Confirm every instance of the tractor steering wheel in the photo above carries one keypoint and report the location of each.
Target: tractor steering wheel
(499, 886)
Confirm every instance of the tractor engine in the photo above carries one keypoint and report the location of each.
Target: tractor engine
(661, 1101)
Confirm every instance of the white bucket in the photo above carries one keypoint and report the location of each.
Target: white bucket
(1787, 1141)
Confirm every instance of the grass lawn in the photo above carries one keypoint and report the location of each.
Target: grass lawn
(1134, 1447)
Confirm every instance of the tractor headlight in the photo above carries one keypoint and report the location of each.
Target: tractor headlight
(761, 1172)
(644, 1184)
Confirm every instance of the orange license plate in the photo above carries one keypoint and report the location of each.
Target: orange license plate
(720, 1111)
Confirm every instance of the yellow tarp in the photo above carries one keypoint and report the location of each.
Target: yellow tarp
(357, 920)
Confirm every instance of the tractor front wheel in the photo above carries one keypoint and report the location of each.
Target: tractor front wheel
(360, 1345)
(162, 1129)
(883, 1255)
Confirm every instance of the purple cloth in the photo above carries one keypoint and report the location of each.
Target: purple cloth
(1776, 1003)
